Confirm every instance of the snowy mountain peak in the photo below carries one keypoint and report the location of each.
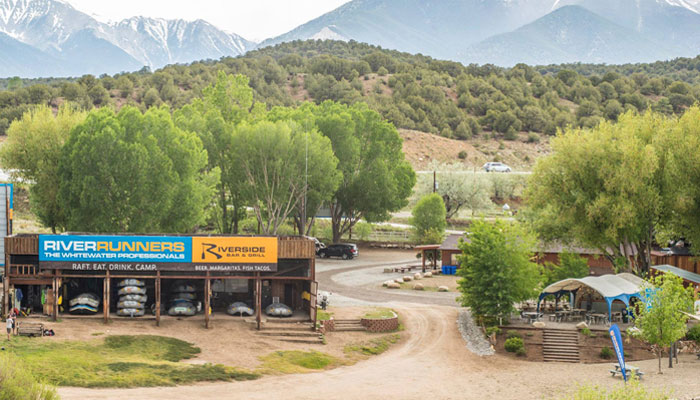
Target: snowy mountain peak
(55, 27)
(692, 5)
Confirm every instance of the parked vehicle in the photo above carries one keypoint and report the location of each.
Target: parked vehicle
(496, 167)
(319, 245)
(346, 251)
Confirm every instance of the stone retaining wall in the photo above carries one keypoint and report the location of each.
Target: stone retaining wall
(327, 326)
(381, 325)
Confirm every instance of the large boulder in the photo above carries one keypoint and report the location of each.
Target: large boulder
(418, 286)
(393, 285)
(398, 280)
(417, 276)
(538, 324)
(407, 278)
(581, 325)
(443, 289)
(428, 275)
(386, 283)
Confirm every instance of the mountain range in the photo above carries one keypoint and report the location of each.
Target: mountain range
(51, 38)
(506, 32)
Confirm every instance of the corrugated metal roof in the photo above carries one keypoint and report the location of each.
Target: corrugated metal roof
(687, 275)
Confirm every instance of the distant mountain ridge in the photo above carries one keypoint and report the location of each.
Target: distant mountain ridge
(78, 44)
(461, 30)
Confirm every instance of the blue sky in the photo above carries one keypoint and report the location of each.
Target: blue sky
(253, 19)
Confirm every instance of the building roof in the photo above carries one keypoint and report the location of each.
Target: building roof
(558, 248)
(686, 275)
(451, 242)
(611, 287)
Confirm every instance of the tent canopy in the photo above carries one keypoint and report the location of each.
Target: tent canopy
(621, 287)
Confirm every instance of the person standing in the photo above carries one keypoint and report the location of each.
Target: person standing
(10, 324)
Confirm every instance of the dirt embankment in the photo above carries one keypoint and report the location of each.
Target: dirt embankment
(421, 148)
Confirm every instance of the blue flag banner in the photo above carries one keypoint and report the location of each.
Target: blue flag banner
(617, 345)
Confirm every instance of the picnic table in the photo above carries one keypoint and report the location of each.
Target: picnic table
(597, 318)
(629, 369)
(531, 316)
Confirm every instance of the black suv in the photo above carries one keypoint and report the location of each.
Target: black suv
(344, 250)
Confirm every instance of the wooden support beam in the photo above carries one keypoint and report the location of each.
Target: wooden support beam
(207, 300)
(422, 257)
(158, 298)
(56, 295)
(6, 296)
(258, 300)
(106, 297)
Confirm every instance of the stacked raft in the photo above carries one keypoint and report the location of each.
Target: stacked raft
(132, 298)
(182, 300)
(84, 303)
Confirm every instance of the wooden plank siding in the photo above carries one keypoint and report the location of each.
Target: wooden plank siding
(685, 262)
(295, 247)
(22, 245)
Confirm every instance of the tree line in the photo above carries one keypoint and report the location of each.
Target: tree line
(411, 91)
(204, 165)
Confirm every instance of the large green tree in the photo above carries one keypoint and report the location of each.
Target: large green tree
(660, 314)
(376, 178)
(496, 268)
(273, 157)
(605, 188)
(133, 172)
(32, 152)
(428, 219)
(214, 117)
(684, 172)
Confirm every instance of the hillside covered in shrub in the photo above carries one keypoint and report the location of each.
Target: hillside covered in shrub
(412, 91)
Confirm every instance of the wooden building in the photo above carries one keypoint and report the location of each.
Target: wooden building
(598, 264)
(223, 269)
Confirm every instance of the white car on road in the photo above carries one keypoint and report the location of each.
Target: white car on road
(496, 167)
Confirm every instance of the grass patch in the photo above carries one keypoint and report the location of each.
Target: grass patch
(296, 361)
(322, 315)
(119, 361)
(373, 347)
(97, 333)
(379, 313)
(16, 382)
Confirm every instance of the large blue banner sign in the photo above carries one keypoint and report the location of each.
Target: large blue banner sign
(62, 248)
(617, 344)
(157, 253)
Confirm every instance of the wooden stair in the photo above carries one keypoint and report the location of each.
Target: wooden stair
(298, 332)
(348, 325)
(560, 345)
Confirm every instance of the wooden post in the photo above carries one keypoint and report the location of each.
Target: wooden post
(106, 296)
(55, 287)
(157, 298)
(258, 299)
(6, 296)
(207, 300)
(422, 256)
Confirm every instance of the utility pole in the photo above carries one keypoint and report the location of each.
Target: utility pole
(306, 185)
(434, 181)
